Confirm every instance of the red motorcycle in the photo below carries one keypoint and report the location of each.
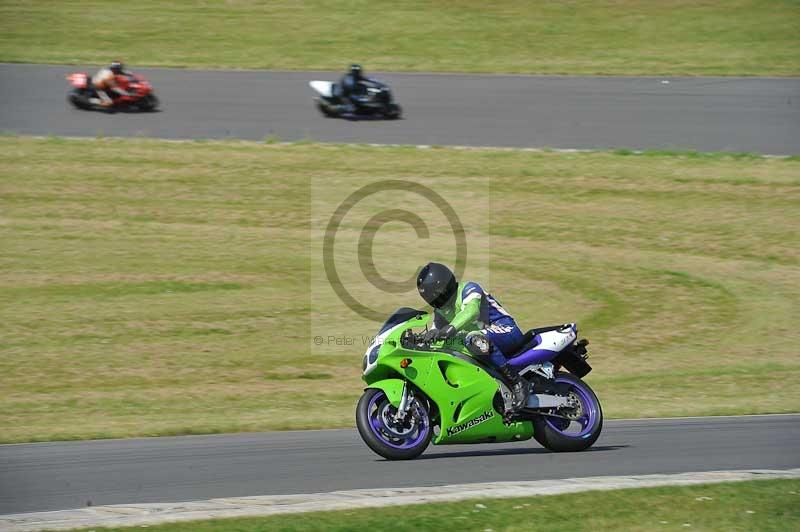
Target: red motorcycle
(140, 95)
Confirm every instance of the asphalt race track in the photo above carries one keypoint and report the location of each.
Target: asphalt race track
(50, 476)
(709, 114)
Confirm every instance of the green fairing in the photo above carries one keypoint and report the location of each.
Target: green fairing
(393, 388)
(462, 392)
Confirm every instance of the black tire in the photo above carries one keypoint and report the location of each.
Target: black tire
(78, 99)
(394, 111)
(148, 103)
(375, 443)
(552, 439)
(325, 110)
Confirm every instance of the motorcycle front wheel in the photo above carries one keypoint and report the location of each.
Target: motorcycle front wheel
(394, 111)
(388, 437)
(325, 110)
(79, 99)
(579, 426)
(148, 103)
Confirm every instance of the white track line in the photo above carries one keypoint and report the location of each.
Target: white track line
(543, 149)
(337, 73)
(678, 418)
(149, 514)
(607, 422)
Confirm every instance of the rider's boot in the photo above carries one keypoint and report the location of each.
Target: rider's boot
(520, 388)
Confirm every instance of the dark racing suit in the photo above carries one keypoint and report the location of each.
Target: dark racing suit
(350, 90)
(473, 309)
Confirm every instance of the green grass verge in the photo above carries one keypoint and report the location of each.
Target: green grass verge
(154, 288)
(766, 505)
(617, 37)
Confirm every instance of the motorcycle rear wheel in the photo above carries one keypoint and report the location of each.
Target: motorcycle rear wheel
(391, 440)
(577, 434)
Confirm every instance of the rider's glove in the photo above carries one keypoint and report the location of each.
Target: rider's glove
(430, 335)
(446, 333)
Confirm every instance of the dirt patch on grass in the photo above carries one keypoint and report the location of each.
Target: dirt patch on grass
(180, 301)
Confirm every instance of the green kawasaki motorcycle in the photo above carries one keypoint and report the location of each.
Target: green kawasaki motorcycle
(446, 391)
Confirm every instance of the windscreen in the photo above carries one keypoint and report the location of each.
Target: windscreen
(401, 315)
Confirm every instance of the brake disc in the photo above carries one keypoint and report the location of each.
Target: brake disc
(574, 410)
(395, 429)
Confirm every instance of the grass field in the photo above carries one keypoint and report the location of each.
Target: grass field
(616, 37)
(766, 505)
(153, 287)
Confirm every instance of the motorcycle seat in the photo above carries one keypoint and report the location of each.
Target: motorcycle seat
(524, 344)
(528, 341)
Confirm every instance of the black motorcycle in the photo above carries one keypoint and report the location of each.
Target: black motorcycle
(372, 100)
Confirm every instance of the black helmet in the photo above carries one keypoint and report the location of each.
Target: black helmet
(116, 67)
(436, 284)
(356, 71)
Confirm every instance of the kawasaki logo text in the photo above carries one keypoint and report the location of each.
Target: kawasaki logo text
(469, 424)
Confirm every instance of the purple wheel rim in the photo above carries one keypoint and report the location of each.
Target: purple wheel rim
(588, 418)
(377, 405)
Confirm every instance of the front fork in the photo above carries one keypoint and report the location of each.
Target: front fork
(405, 401)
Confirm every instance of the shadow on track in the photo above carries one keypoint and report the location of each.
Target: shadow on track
(120, 110)
(508, 452)
(367, 118)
